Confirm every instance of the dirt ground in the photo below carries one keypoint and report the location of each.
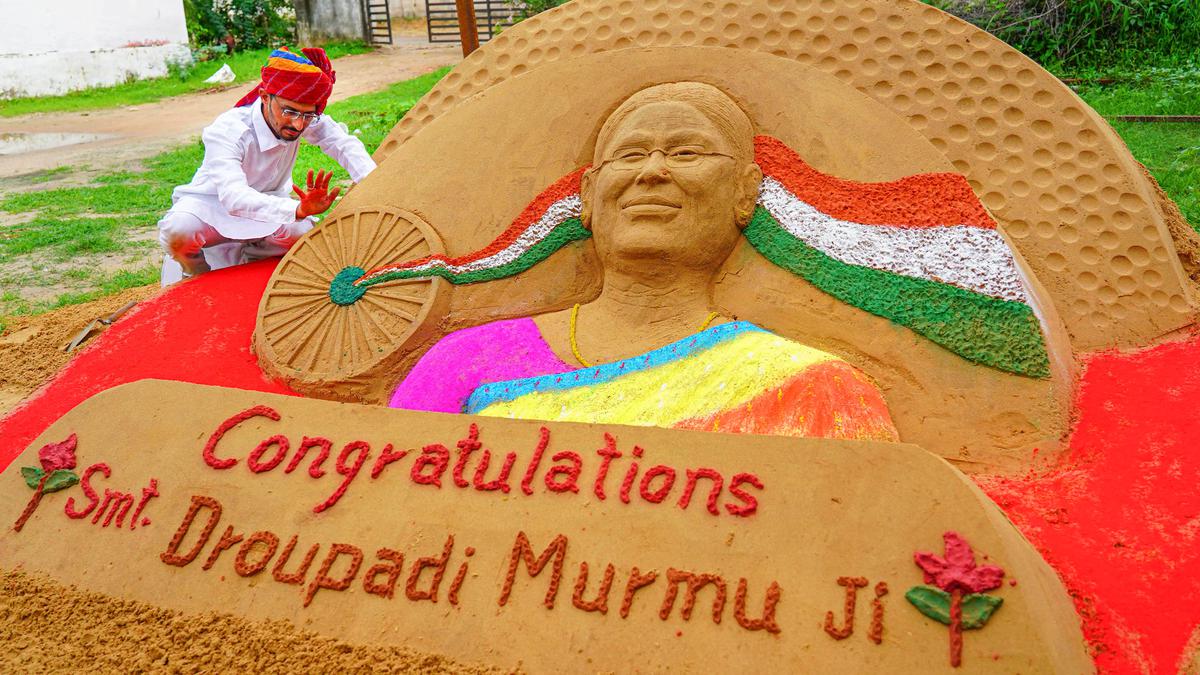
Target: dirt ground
(135, 132)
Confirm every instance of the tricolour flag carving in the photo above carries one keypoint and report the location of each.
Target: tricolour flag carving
(920, 251)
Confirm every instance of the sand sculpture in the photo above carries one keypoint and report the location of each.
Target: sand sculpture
(850, 238)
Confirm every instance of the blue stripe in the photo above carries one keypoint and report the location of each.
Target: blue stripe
(279, 53)
(510, 390)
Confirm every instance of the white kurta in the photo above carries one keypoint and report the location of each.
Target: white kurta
(244, 187)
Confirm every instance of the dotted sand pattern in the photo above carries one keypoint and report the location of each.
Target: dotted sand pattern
(1058, 179)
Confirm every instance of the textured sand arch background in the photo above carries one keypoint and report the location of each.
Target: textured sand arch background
(1093, 226)
(983, 417)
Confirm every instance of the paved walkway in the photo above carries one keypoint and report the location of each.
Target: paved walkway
(136, 132)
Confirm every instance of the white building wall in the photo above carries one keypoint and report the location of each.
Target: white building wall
(53, 47)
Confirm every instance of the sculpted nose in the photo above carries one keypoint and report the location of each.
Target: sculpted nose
(655, 169)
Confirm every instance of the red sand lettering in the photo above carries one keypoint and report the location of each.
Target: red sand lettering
(600, 604)
(607, 454)
(435, 563)
(227, 541)
(430, 465)
(171, 555)
(242, 565)
(254, 461)
(210, 448)
(324, 581)
(713, 495)
(694, 583)
(852, 585)
(387, 456)
(554, 555)
(435, 457)
(767, 622)
(301, 572)
(656, 496)
(86, 484)
(522, 551)
(637, 581)
(315, 469)
(876, 632)
(535, 461)
(460, 577)
(337, 571)
(115, 505)
(392, 565)
(348, 471)
(571, 471)
(630, 475)
(466, 446)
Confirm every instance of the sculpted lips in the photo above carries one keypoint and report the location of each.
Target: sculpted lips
(649, 203)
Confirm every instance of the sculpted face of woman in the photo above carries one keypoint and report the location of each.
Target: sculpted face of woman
(668, 189)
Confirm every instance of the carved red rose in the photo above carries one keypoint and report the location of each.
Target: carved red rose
(957, 571)
(61, 455)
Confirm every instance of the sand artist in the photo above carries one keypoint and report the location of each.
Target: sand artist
(671, 189)
(238, 207)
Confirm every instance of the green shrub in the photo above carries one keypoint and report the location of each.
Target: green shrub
(1063, 34)
(253, 24)
(1070, 34)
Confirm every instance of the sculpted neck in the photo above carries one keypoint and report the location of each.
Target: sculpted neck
(670, 300)
(636, 312)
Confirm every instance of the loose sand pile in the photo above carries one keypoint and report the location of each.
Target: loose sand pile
(46, 626)
(31, 347)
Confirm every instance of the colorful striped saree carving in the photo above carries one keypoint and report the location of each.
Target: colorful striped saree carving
(734, 378)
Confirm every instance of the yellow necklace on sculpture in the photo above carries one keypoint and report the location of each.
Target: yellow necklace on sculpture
(575, 345)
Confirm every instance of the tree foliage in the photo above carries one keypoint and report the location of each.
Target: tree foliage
(253, 24)
(1063, 33)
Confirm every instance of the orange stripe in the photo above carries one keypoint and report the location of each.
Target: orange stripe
(291, 66)
(832, 399)
(923, 200)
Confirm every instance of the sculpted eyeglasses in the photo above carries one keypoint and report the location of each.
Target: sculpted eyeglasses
(296, 114)
(675, 158)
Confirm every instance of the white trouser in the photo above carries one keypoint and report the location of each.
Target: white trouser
(193, 246)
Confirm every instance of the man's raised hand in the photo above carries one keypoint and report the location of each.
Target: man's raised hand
(317, 198)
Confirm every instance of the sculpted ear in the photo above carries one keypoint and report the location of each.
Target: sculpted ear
(586, 185)
(747, 197)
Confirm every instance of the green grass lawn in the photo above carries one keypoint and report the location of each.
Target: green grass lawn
(245, 65)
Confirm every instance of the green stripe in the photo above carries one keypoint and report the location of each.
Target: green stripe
(568, 231)
(998, 333)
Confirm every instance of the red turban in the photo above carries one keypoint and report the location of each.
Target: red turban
(304, 79)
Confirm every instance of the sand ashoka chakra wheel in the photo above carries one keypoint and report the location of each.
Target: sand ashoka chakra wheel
(311, 335)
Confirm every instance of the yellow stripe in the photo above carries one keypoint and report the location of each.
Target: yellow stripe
(725, 376)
